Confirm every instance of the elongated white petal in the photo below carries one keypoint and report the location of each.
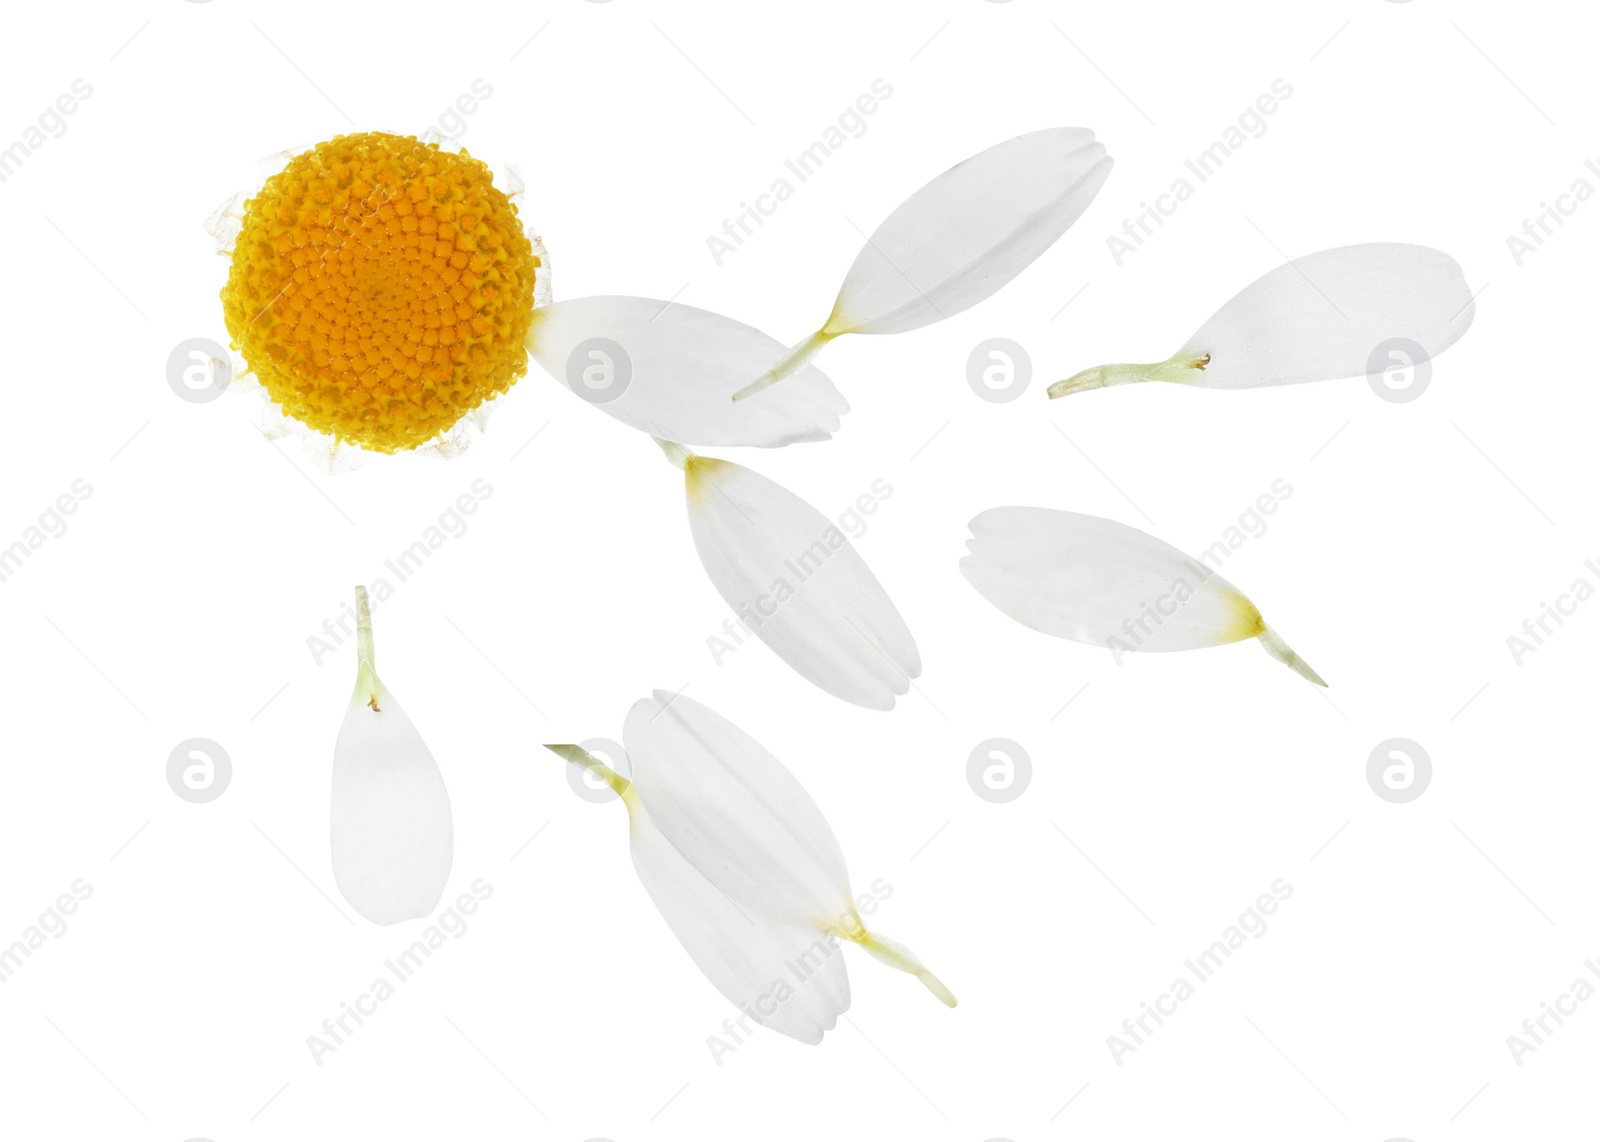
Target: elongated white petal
(961, 237)
(393, 841)
(970, 231)
(736, 813)
(1100, 582)
(795, 580)
(1317, 318)
(790, 979)
(667, 369)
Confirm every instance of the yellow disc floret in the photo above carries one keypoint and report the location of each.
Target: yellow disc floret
(381, 288)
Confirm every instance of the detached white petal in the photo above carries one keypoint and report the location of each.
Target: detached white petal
(743, 867)
(792, 577)
(393, 840)
(788, 978)
(1101, 582)
(667, 369)
(960, 238)
(739, 816)
(735, 812)
(1317, 318)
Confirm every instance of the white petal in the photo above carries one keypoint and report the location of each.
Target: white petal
(392, 835)
(1101, 582)
(792, 576)
(1317, 318)
(676, 370)
(736, 813)
(970, 231)
(791, 979)
(959, 239)
(1321, 316)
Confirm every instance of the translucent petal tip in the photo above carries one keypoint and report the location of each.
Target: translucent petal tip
(677, 455)
(571, 753)
(588, 762)
(902, 958)
(765, 380)
(1183, 369)
(1285, 654)
(367, 684)
(934, 984)
(791, 362)
(1079, 382)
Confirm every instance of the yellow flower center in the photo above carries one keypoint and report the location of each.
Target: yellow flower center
(381, 289)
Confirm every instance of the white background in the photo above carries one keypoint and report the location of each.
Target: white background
(1165, 797)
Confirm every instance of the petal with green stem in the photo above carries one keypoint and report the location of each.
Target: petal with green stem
(666, 368)
(392, 834)
(960, 238)
(1104, 583)
(739, 816)
(789, 979)
(1317, 318)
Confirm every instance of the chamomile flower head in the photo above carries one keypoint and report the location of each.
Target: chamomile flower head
(381, 288)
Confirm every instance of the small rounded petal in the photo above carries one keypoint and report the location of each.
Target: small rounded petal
(393, 841)
(793, 577)
(1100, 582)
(736, 813)
(667, 369)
